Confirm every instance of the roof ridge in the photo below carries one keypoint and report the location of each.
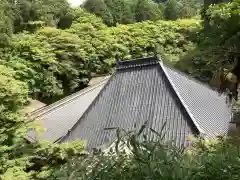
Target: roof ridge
(146, 61)
(181, 99)
(46, 109)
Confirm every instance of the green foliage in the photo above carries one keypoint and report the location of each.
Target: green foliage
(20, 159)
(178, 9)
(48, 11)
(99, 45)
(192, 8)
(100, 8)
(225, 24)
(55, 63)
(13, 96)
(36, 161)
(82, 17)
(34, 62)
(173, 10)
(135, 158)
(145, 38)
(124, 11)
(29, 66)
(218, 44)
(47, 157)
(73, 68)
(6, 23)
(148, 10)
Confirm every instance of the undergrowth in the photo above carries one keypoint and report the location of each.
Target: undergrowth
(133, 157)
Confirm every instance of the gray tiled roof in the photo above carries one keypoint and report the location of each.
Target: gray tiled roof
(140, 90)
(59, 117)
(145, 90)
(207, 109)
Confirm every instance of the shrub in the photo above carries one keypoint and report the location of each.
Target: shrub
(216, 159)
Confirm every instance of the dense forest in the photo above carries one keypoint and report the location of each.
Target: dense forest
(49, 50)
(115, 12)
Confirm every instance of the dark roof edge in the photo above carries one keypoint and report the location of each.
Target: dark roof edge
(201, 131)
(46, 109)
(86, 111)
(152, 60)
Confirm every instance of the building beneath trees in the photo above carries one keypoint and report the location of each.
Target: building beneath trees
(141, 91)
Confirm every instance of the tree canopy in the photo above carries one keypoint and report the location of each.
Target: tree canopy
(127, 12)
(219, 44)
